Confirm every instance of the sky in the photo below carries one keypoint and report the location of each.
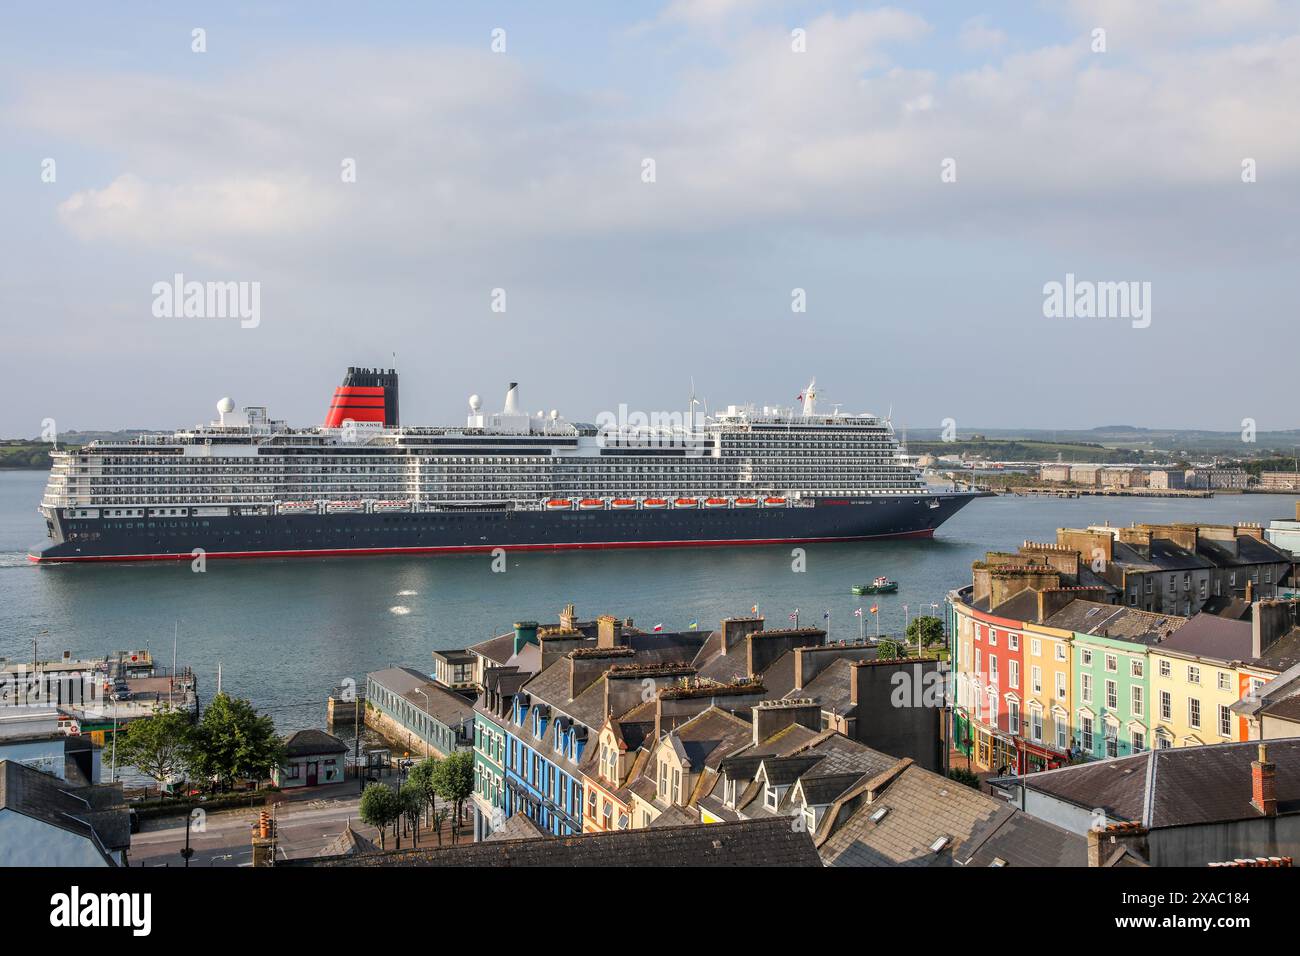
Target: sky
(608, 202)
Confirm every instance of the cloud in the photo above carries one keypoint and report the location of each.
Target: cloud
(977, 36)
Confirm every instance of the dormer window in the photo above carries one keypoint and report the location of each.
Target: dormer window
(771, 797)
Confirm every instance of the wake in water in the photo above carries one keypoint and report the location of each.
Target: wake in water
(14, 559)
(399, 610)
(407, 593)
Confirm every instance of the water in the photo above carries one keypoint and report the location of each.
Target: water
(286, 632)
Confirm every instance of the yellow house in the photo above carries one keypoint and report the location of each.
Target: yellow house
(1195, 681)
(1048, 685)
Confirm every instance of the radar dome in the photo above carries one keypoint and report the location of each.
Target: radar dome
(226, 406)
(555, 414)
(475, 403)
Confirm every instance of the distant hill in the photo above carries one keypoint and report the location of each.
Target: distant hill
(1156, 442)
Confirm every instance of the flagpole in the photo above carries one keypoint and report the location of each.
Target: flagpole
(862, 626)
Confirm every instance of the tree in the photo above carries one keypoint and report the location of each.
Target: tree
(424, 775)
(454, 781)
(379, 807)
(157, 745)
(889, 650)
(961, 775)
(930, 630)
(233, 741)
(411, 801)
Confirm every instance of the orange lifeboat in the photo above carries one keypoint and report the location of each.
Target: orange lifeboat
(655, 503)
(623, 504)
(591, 504)
(685, 502)
(774, 502)
(746, 502)
(715, 502)
(559, 504)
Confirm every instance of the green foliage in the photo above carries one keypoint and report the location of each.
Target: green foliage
(411, 801)
(890, 649)
(930, 630)
(380, 806)
(157, 746)
(232, 741)
(961, 775)
(454, 782)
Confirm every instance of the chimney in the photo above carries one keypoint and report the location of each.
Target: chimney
(568, 618)
(606, 631)
(773, 716)
(736, 629)
(1269, 621)
(1263, 783)
(512, 400)
(264, 840)
(525, 633)
(586, 667)
(764, 647)
(1103, 842)
(1250, 591)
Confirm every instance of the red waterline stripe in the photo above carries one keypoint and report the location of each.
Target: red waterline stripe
(477, 548)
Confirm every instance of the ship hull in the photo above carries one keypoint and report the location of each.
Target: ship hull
(469, 531)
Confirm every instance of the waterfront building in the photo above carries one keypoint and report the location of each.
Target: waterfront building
(1122, 477)
(1054, 473)
(312, 757)
(1085, 475)
(455, 669)
(1282, 481)
(1217, 479)
(1284, 533)
(1110, 667)
(1166, 479)
(40, 737)
(418, 713)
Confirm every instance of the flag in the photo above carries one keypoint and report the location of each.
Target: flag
(858, 613)
(659, 627)
(794, 616)
(875, 608)
(826, 615)
(694, 625)
(800, 398)
(754, 609)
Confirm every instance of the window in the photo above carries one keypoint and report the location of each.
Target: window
(1112, 695)
(1165, 669)
(1085, 728)
(993, 638)
(1139, 741)
(1085, 657)
(1036, 725)
(1112, 740)
(1062, 733)
(1112, 664)
(1085, 688)
(1193, 712)
(1013, 674)
(1166, 706)
(663, 779)
(1225, 681)
(1035, 647)
(1013, 717)
(1135, 700)
(1060, 651)
(1193, 674)
(770, 797)
(1013, 641)
(1135, 667)
(1225, 721)
(1036, 678)
(993, 670)
(1060, 685)
(677, 786)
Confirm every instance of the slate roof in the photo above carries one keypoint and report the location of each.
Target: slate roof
(444, 705)
(498, 649)
(1115, 621)
(1014, 838)
(709, 736)
(1181, 786)
(517, 827)
(1212, 637)
(348, 843)
(743, 843)
(305, 743)
(97, 813)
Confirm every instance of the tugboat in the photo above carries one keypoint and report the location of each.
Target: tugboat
(882, 585)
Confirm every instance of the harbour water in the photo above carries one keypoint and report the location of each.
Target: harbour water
(286, 632)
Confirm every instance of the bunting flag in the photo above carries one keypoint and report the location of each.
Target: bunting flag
(826, 615)
(794, 615)
(694, 625)
(659, 627)
(875, 608)
(858, 613)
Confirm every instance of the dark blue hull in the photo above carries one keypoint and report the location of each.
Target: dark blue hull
(178, 537)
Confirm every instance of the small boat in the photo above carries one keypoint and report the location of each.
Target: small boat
(882, 585)
(343, 507)
(559, 504)
(715, 502)
(383, 507)
(746, 502)
(773, 502)
(655, 503)
(296, 507)
(623, 504)
(591, 504)
(686, 502)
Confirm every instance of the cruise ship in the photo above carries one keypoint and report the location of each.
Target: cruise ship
(248, 486)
